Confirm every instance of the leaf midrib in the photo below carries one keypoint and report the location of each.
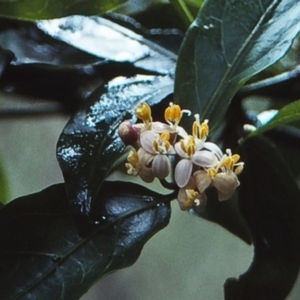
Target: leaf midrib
(224, 78)
(64, 257)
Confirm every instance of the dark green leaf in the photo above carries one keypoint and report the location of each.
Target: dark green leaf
(89, 144)
(5, 58)
(270, 201)
(31, 45)
(287, 114)
(46, 67)
(43, 257)
(106, 39)
(229, 42)
(287, 141)
(42, 9)
(227, 214)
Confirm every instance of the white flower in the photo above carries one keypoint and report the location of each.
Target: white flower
(189, 197)
(191, 153)
(159, 147)
(223, 177)
(225, 182)
(138, 164)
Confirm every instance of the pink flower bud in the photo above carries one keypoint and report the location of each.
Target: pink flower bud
(128, 134)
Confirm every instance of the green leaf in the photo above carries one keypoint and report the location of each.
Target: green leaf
(50, 65)
(229, 42)
(103, 38)
(5, 58)
(269, 200)
(288, 114)
(30, 45)
(227, 214)
(42, 9)
(42, 256)
(89, 144)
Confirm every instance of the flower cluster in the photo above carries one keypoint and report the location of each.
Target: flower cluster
(201, 164)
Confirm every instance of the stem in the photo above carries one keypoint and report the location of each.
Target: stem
(271, 81)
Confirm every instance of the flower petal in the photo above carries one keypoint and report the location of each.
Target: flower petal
(171, 150)
(179, 150)
(183, 172)
(181, 132)
(161, 166)
(145, 158)
(146, 140)
(146, 174)
(160, 127)
(225, 183)
(204, 158)
(184, 203)
(214, 148)
(202, 180)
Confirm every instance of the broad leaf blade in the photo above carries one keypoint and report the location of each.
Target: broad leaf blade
(89, 144)
(5, 58)
(269, 200)
(288, 114)
(43, 257)
(229, 42)
(103, 38)
(42, 9)
(31, 46)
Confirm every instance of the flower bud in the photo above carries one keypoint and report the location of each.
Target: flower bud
(128, 134)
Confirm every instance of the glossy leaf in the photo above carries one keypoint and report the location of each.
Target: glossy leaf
(42, 9)
(31, 46)
(269, 200)
(5, 58)
(227, 214)
(106, 39)
(43, 257)
(89, 144)
(287, 114)
(229, 42)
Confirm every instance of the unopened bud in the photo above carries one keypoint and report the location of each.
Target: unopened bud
(128, 134)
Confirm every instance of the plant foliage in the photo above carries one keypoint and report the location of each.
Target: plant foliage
(99, 69)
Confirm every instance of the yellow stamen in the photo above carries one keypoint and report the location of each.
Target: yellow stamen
(133, 157)
(212, 172)
(133, 166)
(191, 195)
(239, 169)
(173, 113)
(188, 146)
(165, 136)
(155, 146)
(230, 161)
(191, 149)
(162, 144)
(143, 112)
(191, 198)
(200, 131)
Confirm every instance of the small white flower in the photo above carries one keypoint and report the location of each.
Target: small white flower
(138, 164)
(192, 154)
(189, 197)
(159, 147)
